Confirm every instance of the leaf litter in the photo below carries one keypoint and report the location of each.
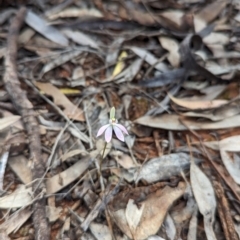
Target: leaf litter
(171, 70)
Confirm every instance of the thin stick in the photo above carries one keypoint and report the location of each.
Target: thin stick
(24, 107)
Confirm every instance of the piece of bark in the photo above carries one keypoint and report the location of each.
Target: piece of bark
(25, 109)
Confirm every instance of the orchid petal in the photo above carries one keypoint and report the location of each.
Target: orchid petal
(108, 134)
(118, 133)
(122, 128)
(102, 129)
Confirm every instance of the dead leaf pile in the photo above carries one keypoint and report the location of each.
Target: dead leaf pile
(171, 70)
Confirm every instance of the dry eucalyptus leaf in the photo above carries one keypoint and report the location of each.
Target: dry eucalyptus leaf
(133, 215)
(66, 225)
(219, 70)
(172, 47)
(123, 159)
(170, 227)
(211, 11)
(164, 167)
(73, 153)
(122, 173)
(8, 121)
(213, 145)
(74, 12)
(231, 165)
(208, 14)
(72, 111)
(81, 38)
(43, 47)
(16, 220)
(3, 51)
(20, 166)
(143, 18)
(174, 17)
(4, 235)
(79, 134)
(78, 73)
(226, 111)
(184, 214)
(171, 122)
(149, 58)
(203, 190)
(208, 227)
(100, 231)
(26, 35)
(6, 14)
(192, 232)
(58, 61)
(230, 144)
(155, 237)
(21, 197)
(113, 50)
(156, 205)
(129, 74)
(41, 26)
(198, 104)
(216, 38)
(120, 64)
(3, 164)
(53, 213)
(63, 179)
(205, 197)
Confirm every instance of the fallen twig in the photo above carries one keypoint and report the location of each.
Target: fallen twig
(225, 213)
(25, 109)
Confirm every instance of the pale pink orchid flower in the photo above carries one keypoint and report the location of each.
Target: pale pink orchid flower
(112, 126)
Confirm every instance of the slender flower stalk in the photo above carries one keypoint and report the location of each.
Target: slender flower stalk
(119, 131)
(103, 155)
(100, 169)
